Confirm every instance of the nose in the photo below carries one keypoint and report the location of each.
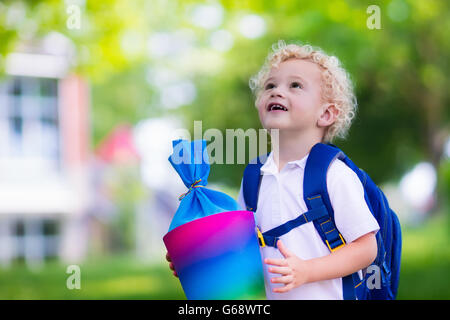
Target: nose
(276, 92)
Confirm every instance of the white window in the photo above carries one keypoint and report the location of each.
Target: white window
(29, 124)
(35, 239)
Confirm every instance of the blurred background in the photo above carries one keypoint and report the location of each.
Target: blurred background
(91, 93)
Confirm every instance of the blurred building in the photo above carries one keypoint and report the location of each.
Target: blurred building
(117, 192)
(136, 189)
(44, 149)
(153, 139)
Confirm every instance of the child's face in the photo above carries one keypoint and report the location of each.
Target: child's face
(296, 86)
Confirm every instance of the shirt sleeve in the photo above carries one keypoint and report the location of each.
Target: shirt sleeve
(240, 198)
(351, 214)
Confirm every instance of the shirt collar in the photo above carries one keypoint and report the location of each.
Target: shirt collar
(270, 167)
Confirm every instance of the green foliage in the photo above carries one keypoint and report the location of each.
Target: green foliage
(399, 71)
(426, 260)
(444, 183)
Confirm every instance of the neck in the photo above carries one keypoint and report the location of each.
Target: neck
(291, 146)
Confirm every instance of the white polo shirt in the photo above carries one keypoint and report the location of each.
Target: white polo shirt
(281, 199)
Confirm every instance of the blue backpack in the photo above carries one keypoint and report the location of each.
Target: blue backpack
(380, 281)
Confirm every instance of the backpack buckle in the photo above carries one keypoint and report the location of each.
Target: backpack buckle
(260, 238)
(338, 247)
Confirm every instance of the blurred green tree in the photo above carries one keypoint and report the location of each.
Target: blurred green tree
(399, 70)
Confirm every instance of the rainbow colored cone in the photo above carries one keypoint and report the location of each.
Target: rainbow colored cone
(218, 257)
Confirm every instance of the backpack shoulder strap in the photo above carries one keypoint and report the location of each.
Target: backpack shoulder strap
(314, 182)
(315, 193)
(252, 181)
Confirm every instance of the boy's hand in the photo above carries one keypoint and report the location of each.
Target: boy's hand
(171, 266)
(294, 270)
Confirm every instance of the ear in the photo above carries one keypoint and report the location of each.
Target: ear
(328, 115)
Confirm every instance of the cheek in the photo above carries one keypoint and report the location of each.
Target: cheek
(261, 114)
(260, 103)
(307, 101)
(305, 109)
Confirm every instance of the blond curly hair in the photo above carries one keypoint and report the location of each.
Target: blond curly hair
(337, 87)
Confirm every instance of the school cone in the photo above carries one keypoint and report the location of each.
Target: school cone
(217, 257)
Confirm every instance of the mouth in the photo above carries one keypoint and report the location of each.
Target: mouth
(274, 106)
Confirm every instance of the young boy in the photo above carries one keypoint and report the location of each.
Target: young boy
(309, 98)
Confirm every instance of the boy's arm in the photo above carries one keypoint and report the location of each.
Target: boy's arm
(352, 257)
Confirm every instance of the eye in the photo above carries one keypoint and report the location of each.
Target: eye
(296, 85)
(269, 86)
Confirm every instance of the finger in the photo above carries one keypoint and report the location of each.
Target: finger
(171, 266)
(175, 273)
(281, 270)
(284, 251)
(283, 289)
(276, 262)
(168, 257)
(285, 279)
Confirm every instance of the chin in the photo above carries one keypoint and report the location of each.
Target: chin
(278, 126)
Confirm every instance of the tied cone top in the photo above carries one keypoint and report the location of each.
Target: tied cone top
(191, 161)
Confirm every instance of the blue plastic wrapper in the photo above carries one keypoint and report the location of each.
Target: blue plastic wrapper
(191, 161)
